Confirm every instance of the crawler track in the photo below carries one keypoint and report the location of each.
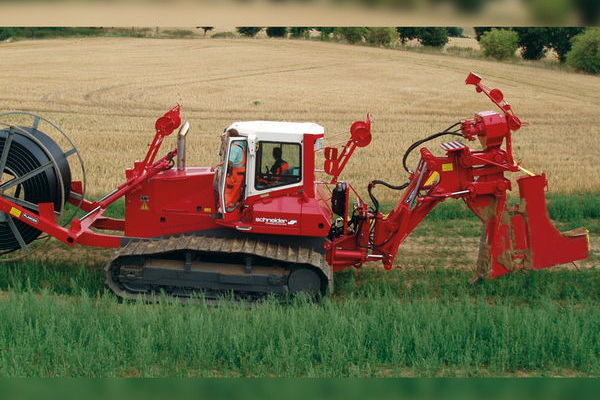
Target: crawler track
(217, 264)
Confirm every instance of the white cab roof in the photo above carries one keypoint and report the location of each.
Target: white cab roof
(268, 128)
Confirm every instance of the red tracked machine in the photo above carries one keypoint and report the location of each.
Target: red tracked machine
(288, 232)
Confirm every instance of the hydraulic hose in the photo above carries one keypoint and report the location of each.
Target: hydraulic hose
(375, 210)
(418, 143)
(388, 185)
(372, 184)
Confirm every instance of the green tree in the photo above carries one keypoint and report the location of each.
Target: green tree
(206, 29)
(46, 32)
(433, 37)
(6, 33)
(277, 31)
(480, 30)
(455, 31)
(299, 31)
(499, 43)
(382, 36)
(325, 31)
(249, 31)
(407, 33)
(560, 39)
(352, 34)
(533, 42)
(585, 53)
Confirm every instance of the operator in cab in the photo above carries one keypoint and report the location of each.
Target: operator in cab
(280, 165)
(273, 174)
(236, 171)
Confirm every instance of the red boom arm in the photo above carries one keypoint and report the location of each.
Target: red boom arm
(514, 238)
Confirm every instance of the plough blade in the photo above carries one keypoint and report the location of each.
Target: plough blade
(548, 246)
(524, 238)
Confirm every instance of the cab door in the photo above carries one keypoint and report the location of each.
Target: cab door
(232, 175)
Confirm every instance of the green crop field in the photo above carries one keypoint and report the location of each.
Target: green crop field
(420, 319)
(58, 320)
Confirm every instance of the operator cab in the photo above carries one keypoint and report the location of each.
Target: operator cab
(273, 168)
(278, 175)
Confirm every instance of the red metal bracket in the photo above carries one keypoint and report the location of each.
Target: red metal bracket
(497, 97)
(360, 136)
(164, 126)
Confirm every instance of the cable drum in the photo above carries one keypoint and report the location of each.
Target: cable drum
(34, 170)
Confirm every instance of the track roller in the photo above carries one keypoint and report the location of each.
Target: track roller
(305, 280)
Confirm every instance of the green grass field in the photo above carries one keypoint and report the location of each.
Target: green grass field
(59, 320)
(421, 319)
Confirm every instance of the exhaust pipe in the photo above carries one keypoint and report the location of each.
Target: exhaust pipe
(181, 145)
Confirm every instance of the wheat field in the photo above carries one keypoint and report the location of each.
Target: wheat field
(107, 92)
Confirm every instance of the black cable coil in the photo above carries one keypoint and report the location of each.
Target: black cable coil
(24, 156)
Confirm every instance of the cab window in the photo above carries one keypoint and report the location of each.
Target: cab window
(278, 164)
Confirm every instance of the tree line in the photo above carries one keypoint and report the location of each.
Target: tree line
(382, 36)
(578, 47)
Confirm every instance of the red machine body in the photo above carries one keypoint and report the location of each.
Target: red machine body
(165, 205)
(162, 200)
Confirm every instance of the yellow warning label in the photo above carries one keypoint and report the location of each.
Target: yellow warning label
(15, 212)
(207, 210)
(144, 206)
(447, 167)
(432, 179)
